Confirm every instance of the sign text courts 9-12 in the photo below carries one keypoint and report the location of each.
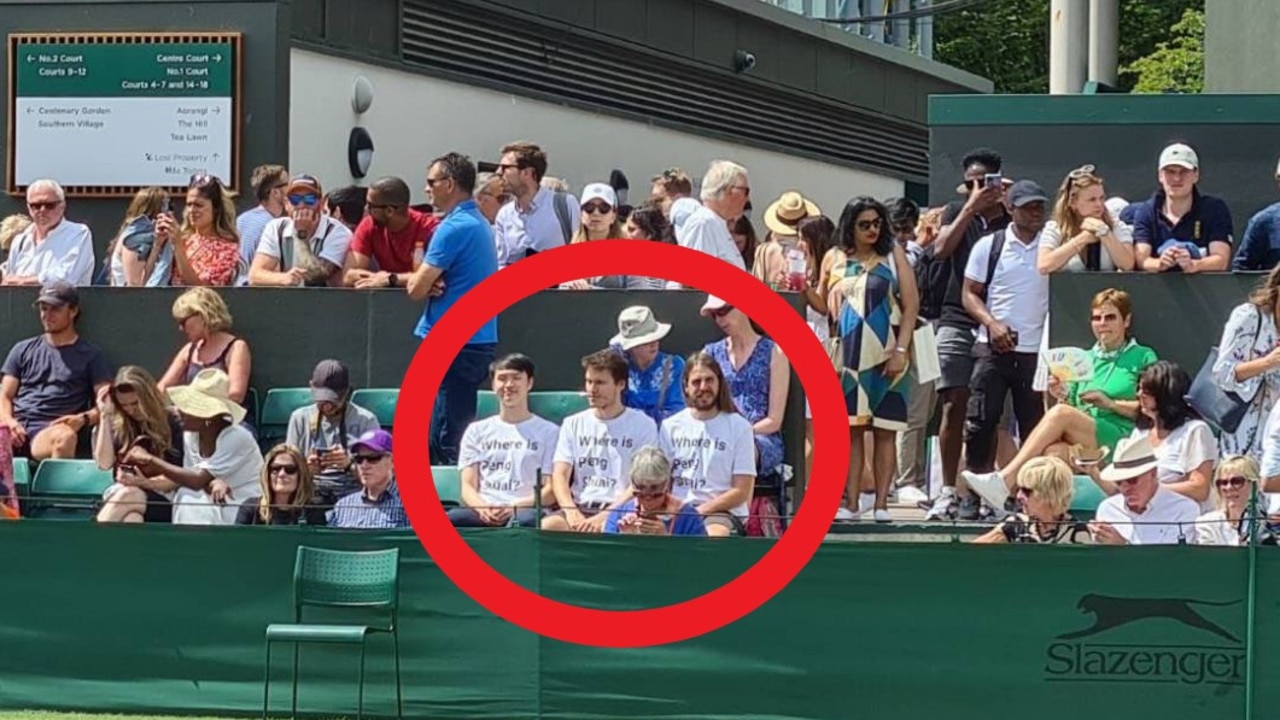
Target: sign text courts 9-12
(123, 115)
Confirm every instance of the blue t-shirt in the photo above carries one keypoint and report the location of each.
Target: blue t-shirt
(1209, 220)
(54, 381)
(686, 522)
(463, 249)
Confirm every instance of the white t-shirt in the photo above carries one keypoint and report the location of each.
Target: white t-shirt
(1184, 450)
(1169, 515)
(1019, 294)
(1051, 239)
(508, 457)
(236, 461)
(1271, 444)
(600, 452)
(330, 241)
(66, 254)
(706, 454)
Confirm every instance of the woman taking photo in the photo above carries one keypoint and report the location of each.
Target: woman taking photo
(134, 414)
(1249, 365)
(288, 492)
(206, 249)
(872, 298)
(1083, 234)
(136, 257)
(1044, 490)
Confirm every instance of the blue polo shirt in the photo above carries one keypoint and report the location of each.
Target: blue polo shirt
(1260, 245)
(464, 249)
(1208, 221)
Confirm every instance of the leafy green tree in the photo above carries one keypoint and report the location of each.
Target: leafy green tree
(1175, 66)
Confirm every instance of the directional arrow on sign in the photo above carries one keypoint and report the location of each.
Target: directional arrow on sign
(30, 110)
(217, 111)
(217, 58)
(31, 58)
(216, 156)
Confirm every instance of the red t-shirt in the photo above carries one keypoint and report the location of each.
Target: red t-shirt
(393, 251)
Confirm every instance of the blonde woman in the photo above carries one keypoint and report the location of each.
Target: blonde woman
(1236, 481)
(136, 257)
(134, 413)
(1083, 234)
(288, 492)
(206, 249)
(1044, 490)
(204, 319)
(10, 228)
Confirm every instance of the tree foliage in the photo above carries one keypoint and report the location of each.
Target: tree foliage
(1008, 40)
(1176, 65)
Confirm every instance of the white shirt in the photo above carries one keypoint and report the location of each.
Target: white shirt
(1169, 516)
(508, 457)
(600, 452)
(1051, 239)
(706, 454)
(1018, 295)
(1183, 450)
(65, 254)
(516, 232)
(329, 242)
(707, 232)
(236, 461)
(1271, 445)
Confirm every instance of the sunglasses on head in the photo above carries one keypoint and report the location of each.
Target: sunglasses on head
(1082, 172)
(596, 209)
(202, 180)
(1232, 482)
(307, 199)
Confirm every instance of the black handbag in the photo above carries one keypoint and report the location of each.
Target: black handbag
(1221, 408)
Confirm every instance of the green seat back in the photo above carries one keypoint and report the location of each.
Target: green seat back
(338, 578)
(448, 484)
(486, 404)
(273, 424)
(67, 487)
(1086, 497)
(22, 476)
(379, 401)
(552, 405)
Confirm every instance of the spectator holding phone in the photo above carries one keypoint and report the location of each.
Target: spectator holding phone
(137, 258)
(134, 414)
(652, 510)
(322, 431)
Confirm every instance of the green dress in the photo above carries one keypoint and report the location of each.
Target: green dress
(1115, 373)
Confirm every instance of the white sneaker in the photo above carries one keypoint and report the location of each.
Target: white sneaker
(845, 513)
(866, 501)
(911, 495)
(989, 486)
(883, 516)
(942, 506)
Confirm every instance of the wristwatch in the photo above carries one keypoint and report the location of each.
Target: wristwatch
(392, 279)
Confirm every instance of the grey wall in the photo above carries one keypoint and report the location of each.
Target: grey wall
(1240, 46)
(264, 110)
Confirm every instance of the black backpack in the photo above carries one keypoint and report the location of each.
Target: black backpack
(933, 276)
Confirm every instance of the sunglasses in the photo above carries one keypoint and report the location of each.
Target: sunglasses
(1023, 489)
(1082, 172)
(1232, 482)
(308, 199)
(651, 490)
(596, 209)
(364, 459)
(865, 225)
(38, 206)
(286, 469)
(202, 180)
(722, 311)
(1109, 317)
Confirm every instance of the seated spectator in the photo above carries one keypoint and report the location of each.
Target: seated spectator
(288, 492)
(134, 413)
(1259, 249)
(221, 463)
(506, 458)
(206, 249)
(712, 449)
(1179, 229)
(391, 241)
(1236, 480)
(1088, 418)
(268, 183)
(346, 205)
(594, 450)
(378, 504)
(1249, 365)
(51, 380)
(134, 258)
(758, 374)
(652, 509)
(204, 319)
(52, 247)
(1145, 511)
(1044, 490)
(303, 248)
(1083, 234)
(322, 431)
(653, 386)
(10, 228)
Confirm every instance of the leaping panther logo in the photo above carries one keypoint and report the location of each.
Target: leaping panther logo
(1112, 612)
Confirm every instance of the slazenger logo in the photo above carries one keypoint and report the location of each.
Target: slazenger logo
(1200, 650)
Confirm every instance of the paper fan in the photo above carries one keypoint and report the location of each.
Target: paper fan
(1069, 364)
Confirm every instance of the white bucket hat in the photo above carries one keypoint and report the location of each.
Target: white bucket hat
(637, 326)
(208, 396)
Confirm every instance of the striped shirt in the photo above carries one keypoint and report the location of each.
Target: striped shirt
(357, 510)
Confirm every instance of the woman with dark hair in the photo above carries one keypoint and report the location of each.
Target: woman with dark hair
(1249, 364)
(744, 236)
(206, 249)
(647, 222)
(871, 295)
(817, 238)
(134, 414)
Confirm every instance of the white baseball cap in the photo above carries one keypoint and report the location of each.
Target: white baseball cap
(599, 191)
(1181, 155)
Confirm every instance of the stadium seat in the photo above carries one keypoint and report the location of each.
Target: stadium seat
(252, 406)
(486, 404)
(280, 403)
(340, 580)
(22, 476)
(448, 484)
(1086, 498)
(553, 405)
(379, 401)
(67, 489)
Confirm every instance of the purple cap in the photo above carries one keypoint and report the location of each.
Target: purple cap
(378, 441)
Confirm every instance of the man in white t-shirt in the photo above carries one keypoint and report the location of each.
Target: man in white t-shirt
(504, 458)
(593, 455)
(712, 449)
(52, 248)
(1143, 512)
(726, 189)
(306, 246)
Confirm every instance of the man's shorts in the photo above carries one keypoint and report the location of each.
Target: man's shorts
(955, 356)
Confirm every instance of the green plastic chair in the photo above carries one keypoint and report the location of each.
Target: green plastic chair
(448, 484)
(22, 476)
(367, 581)
(486, 404)
(379, 401)
(273, 424)
(67, 489)
(1085, 498)
(552, 405)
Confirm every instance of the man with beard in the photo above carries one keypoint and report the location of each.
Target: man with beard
(711, 447)
(392, 239)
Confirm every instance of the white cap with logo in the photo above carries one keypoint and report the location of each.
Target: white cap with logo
(1181, 155)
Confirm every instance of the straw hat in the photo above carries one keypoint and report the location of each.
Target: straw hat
(208, 396)
(1134, 458)
(637, 326)
(785, 214)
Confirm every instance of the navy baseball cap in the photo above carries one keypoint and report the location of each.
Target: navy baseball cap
(1025, 192)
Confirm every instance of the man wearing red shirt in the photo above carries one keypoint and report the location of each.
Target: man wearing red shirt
(391, 240)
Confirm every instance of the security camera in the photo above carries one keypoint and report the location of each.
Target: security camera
(743, 60)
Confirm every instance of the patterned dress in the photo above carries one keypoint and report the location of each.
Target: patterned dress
(1248, 335)
(749, 386)
(215, 260)
(868, 321)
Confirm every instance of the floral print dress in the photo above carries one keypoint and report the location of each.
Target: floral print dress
(1248, 335)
